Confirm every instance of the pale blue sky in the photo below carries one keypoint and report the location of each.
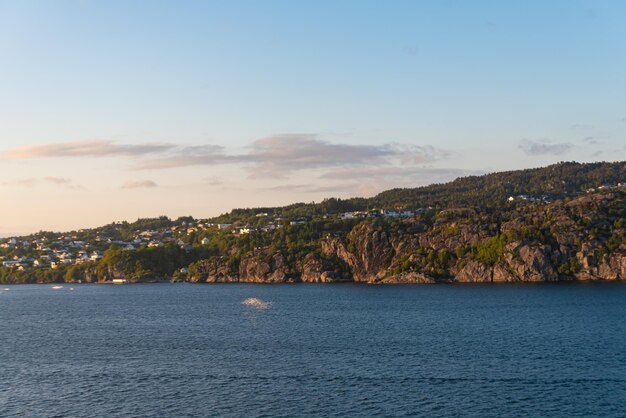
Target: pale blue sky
(435, 89)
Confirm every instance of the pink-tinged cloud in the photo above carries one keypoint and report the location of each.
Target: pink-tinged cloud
(57, 180)
(87, 148)
(33, 181)
(279, 155)
(140, 184)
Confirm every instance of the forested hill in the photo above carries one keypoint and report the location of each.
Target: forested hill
(556, 181)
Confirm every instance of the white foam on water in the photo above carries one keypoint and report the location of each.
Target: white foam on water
(257, 303)
(57, 287)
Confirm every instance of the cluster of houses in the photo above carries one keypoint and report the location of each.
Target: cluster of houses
(42, 253)
(55, 250)
(382, 213)
(605, 187)
(527, 198)
(548, 199)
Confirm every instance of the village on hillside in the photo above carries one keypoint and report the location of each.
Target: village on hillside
(51, 250)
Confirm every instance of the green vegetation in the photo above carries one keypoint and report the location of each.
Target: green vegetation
(490, 251)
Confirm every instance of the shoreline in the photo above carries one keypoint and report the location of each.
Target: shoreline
(360, 283)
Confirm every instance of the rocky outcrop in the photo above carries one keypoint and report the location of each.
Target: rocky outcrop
(212, 270)
(367, 252)
(581, 239)
(315, 269)
(255, 269)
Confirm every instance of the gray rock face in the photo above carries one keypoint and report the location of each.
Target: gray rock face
(558, 241)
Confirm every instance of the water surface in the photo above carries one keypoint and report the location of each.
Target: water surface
(323, 350)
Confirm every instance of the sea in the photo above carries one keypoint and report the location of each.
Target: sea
(339, 350)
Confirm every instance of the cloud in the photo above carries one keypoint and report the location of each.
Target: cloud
(544, 147)
(275, 156)
(311, 188)
(582, 126)
(29, 182)
(411, 50)
(418, 154)
(278, 155)
(33, 181)
(87, 148)
(187, 157)
(57, 180)
(140, 184)
(213, 181)
(590, 140)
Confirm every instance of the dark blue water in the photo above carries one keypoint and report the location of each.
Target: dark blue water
(322, 350)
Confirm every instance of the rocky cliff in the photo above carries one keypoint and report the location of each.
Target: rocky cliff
(579, 239)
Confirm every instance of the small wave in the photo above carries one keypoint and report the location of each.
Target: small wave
(57, 287)
(257, 303)
(71, 288)
(6, 289)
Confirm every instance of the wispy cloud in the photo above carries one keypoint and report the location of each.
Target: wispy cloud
(57, 180)
(582, 126)
(213, 181)
(139, 184)
(87, 148)
(187, 157)
(50, 180)
(544, 147)
(311, 188)
(590, 140)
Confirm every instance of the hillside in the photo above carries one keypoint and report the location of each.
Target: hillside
(562, 222)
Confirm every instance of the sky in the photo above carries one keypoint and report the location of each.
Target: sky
(115, 110)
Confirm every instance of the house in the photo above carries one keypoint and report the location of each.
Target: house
(390, 213)
(269, 227)
(95, 256)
